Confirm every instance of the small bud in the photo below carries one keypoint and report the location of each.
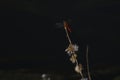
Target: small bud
(78, 68)
(73, 58)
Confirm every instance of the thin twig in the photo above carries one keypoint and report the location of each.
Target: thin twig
(76, 62)
(81, 75)
(89, 77)
(68, 36)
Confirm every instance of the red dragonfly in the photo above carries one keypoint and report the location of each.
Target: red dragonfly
(66, 25)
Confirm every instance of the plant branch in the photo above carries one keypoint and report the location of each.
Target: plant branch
(68, 35)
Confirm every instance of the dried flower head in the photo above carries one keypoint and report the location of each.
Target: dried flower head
(78, 68)
(73, 58)
(71, 49)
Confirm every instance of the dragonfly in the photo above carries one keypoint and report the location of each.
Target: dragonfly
(64, 24)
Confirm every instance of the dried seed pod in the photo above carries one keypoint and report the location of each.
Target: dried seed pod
(78, 68)
(73, 58)
(75, 55)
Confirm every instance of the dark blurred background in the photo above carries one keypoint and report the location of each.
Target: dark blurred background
(32, 38)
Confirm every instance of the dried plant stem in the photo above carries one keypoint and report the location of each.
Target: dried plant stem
(68, 36)
(76, 62)
(89, 77)
(80, 71)
(81, 75)
(74, 53)
(70, 42)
